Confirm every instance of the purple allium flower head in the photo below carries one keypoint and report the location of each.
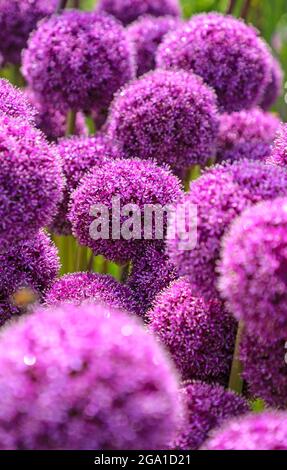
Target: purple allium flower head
(263, 431)
(126, 185)
(167, 115)
(265, 370)
(199, 334)
(253, 276)
(246, 134)
(18, 18)
(33, 265)
(96, 379)
(53, 121)
(129, 10)
(14, 103)
(275, 86)
(220, 195)
(279, 151)
(80, 287)
(151, 273)
(226, 53)
(208, 406)
(31, 181)
(79, 155)
(146, 35)
(78, 60)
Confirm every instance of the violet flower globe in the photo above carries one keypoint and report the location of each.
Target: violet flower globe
(115, 189)
(129, 10)
(168, 116)
(96, 379)
(253, 270)
(91, 287)
(18, 18)
(31, 181)
(14, 103)
(226, 53)
(79, 155)
(220, 195)
(208, 407)
(32, 265)
(146, 34)
(275, 86)
(246, 134)
(279, 151)
(263, 431)
(91, 50)
(265, 370)
(199, 334)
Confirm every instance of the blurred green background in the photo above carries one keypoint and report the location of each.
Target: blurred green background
(269, 16)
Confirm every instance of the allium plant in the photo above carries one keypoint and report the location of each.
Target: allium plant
(14, 103)
(168, 116)
(199, 334)
(129, 10)
(78, 60)
(263, 431)
(279, 151)
(229, 55)
(253, 270)
(95, 378)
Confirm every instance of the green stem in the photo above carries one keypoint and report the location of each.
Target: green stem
(231, 7)
(82, 259)
(192, 174)
(90, 266)
(71, 123)
(125, 272)
(62, 5)
(245, 9)
(235, 380)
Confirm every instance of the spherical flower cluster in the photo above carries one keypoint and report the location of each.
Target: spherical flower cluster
(208, 406)
(31, 265)
(253, 276)
(265, 370)
(170, 116)
(129, 10)
(219, 196)
(146, 35)
(80, 287)
(53, 122)
(78, 60)
(14, 103)
(121, 187)
(263, 431)
(95, 378)
(226, 53)
(79, 155)
(151, 273)
(279, 151)
(199, 334)
(246, 134)
(275, 86)
(31, 181)
(17, 20)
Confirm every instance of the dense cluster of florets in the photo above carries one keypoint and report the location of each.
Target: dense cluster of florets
(279, 151)
(265, 370)
(220, 195)
(79, 155)
(14, 103)
(168, 116)
(31, 181)
(265, 431)
(275, 86)
(226, 53)
(129, 10)
(199, 334)
(17, 20)
(77, 41)
(77, 288)
(208, 407)
(253, 269)
(146, 35)
(96, 379)
(246, 134)
(121, 186)
(31, 265)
